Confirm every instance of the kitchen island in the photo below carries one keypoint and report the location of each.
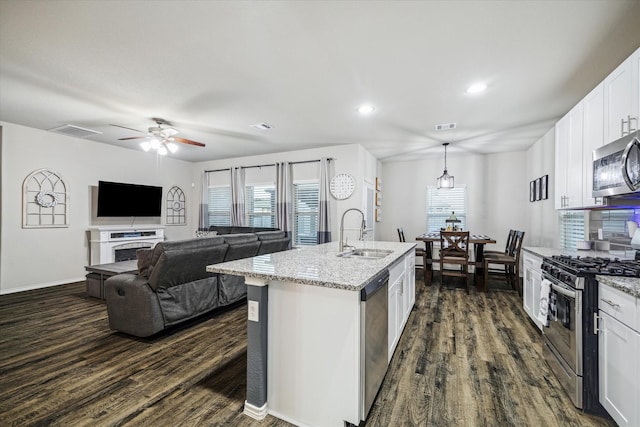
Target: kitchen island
(305, 333)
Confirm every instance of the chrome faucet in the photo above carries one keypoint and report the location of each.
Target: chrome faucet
(362, 228)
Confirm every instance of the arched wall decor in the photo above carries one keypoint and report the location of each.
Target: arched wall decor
(176, 207)
(45, 200)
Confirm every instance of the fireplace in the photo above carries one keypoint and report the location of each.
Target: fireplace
(116, 243)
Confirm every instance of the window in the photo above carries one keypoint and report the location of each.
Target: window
(260, 205)
(305, 214)
(441, 202)
(219, 206)
(571, 226)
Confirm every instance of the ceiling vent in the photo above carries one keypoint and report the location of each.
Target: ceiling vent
(76, 131)
(446, 126)
(262, 126)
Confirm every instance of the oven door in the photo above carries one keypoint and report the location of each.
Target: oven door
(564, 331)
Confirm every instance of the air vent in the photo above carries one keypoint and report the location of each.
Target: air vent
(263, 126)
(446, 126)
(76, 131)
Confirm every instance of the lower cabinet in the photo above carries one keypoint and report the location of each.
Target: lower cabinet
(401, 297)
(618, 365)
(531, 286)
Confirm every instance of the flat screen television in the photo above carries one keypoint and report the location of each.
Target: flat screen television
(120, 199)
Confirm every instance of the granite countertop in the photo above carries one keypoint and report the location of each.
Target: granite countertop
(548, 252)
(629, 285)
(316, 265)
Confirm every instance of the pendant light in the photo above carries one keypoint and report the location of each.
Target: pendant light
(446, 180)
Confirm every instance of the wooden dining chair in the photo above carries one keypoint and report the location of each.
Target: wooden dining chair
(454, 250)
(507, 246)
(509, 264)
(420, 253)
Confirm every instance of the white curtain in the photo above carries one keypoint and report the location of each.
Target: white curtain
(324, 205)
(203, 221)
(237, 197)
(284, 191)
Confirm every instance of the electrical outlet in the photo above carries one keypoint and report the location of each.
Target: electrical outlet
(254, 311)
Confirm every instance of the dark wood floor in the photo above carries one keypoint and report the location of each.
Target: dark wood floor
(463, 360)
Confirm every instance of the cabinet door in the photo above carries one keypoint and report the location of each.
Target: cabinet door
(562, 150)
(536, 284)
(574, 158)
(621, 99)
(527, 292)
(593, 138)
(618, 370)
(409, 285)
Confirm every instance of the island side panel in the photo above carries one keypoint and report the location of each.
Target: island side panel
(257, 348)
(313, 354)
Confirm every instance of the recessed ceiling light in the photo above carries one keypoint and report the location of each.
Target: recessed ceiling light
(366, 109)
(477, 88)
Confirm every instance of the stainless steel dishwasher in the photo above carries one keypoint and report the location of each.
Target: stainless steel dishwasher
(374, 336)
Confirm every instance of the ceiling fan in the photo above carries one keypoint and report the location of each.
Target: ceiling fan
(160, 138)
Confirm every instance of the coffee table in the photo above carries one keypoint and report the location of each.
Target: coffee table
(100, 272)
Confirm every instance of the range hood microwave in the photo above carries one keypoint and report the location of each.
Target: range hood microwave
(616, 169)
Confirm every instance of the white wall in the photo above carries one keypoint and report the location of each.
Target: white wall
(542, 218)
(39, 257)
(352, 159)
(497, 193)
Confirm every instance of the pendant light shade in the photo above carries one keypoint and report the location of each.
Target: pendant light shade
(446, 180)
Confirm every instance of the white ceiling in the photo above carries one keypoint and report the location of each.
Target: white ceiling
(213, 68)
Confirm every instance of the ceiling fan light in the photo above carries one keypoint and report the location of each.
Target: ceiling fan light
(172, 147)
(146, 146)
(154, 143)
(162, 151)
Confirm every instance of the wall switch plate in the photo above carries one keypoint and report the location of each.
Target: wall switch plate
(254, 311)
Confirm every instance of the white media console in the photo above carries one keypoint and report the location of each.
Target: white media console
(117, 243)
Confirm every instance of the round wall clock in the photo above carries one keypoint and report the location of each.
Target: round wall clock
(342, 186)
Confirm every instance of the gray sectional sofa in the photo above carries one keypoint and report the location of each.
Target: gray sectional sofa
(173, 286)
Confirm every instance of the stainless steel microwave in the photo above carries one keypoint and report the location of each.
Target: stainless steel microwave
(616, 168)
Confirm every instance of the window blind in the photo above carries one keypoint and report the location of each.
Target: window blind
(260, 205)
(441, 202)
(219, 206)
(305, 215)
(571, 225)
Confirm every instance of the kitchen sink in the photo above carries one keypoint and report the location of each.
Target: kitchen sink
(365, 253)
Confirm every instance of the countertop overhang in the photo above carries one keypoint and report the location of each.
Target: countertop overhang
(317, 265)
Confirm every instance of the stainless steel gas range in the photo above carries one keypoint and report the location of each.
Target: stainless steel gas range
(570, 343)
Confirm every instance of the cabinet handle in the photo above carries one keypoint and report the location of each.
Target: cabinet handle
(596, 328)
(622, 132)
(629, 120)
(611, 303)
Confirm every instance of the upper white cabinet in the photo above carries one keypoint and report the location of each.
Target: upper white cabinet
(621, 99)
(593, 138)
(569, 179)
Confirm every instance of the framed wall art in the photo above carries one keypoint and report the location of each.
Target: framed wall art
(532, 191)
(539, 189)
(545, 188)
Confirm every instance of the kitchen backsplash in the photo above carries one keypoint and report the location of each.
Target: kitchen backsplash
(614, 226)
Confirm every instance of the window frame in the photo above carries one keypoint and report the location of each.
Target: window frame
(462, 216)
(313, 215)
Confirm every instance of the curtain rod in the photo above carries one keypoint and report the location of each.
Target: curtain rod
(270, 164)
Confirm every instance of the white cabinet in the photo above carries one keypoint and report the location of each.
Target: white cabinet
(531, 286)
(569, 179)
(621, 99)
(593, 138)
(618, 356)
(401, 297)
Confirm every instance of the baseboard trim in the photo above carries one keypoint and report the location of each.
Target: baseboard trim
(40, 286)
(255, 412)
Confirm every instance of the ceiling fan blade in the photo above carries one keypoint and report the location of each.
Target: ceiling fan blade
(132, 137)
(124, 127)
(188, 141)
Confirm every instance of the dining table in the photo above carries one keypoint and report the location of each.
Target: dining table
(478, 241)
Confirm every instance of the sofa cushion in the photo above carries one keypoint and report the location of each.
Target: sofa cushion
(241, 246)
(185, 265)
(270, 235)
(193, 243)
(188, 300)
(144, 257)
